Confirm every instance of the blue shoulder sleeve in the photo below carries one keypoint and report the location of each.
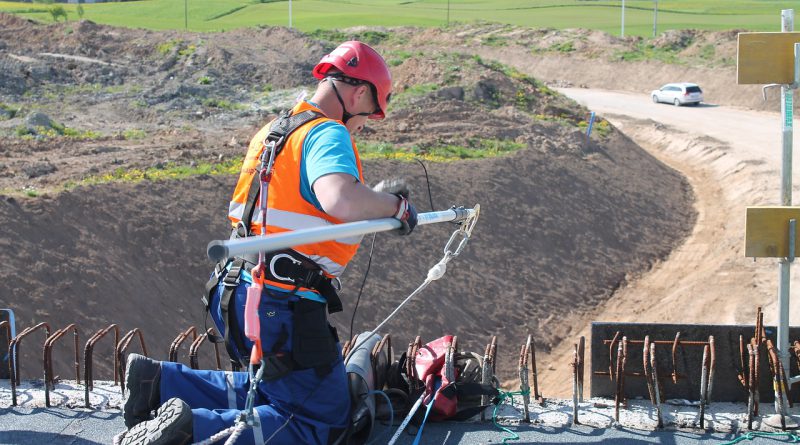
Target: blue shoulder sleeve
(327, 149)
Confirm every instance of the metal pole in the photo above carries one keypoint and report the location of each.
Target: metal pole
(622, 31)
(655, 18)
(220, 249)
(186, 14)
(787, 91)
(290, 14)
(448, 13)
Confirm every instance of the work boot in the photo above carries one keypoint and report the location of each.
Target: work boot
(142, 381)
(172, 425)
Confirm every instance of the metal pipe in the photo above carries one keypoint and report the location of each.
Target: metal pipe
(787, 110)
(220, 249)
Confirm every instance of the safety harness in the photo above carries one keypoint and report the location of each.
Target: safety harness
(286, 267)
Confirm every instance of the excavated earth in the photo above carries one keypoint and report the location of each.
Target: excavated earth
(564, 222)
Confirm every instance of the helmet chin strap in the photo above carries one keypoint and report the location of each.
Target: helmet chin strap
(346, 115)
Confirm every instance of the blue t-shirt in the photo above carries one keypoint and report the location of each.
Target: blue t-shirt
(327, 149)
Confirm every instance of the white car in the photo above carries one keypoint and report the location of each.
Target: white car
(678, 94)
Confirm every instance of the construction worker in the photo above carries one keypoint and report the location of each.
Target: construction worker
(317, 181)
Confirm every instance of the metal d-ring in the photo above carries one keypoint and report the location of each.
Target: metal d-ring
(272, 266)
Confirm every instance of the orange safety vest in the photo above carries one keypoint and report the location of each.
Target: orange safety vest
(287, 209)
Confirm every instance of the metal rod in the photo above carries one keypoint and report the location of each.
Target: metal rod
(752, 408)
(13, 359)
(656, 384)
(704, 387)
(524, 387)
(575, 385)
(581, 352)
(221, 249)
(787, 109)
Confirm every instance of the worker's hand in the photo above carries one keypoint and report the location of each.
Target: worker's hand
(394, 186)
(407, 214)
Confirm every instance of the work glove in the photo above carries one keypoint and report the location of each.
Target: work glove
(406, 212)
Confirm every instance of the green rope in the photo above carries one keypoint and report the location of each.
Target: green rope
(502, 397)
(754, 434)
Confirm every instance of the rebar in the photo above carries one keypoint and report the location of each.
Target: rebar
(647, 374)
(176, 344)
(620, 370)
(193, 361)
(122, 346)
(575, 385)
(752, 404)
(88, 353)
(537, 395)
(777, 381)
(487, 370)
(704, 386)
(524, 387)
(13, 359)
(743, 371)
(674, 360)
(611, 348)
(581, 352)
(47, 358)
(756, 378)
(411, 359)
(711, 367)
(656, 384)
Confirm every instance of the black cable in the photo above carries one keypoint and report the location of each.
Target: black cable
(361, 290)
(427, 181)
(372, 248)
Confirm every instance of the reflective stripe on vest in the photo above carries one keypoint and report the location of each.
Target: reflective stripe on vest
(288, 210)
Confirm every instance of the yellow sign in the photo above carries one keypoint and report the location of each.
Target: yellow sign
(767, 231)
(766, 57)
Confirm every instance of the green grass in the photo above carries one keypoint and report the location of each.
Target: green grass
(167, 171)
(475, 149)
(309, 15)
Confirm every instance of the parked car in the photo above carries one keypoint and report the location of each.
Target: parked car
(678, 94)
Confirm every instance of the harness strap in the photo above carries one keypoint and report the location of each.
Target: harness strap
(279, 131)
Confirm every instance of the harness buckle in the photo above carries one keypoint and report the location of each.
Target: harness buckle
(275, 259)
(233, 277)
(241, 231)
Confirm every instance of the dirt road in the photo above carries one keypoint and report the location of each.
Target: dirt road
(732, 159)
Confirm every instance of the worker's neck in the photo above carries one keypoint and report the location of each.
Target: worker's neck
(327, 104)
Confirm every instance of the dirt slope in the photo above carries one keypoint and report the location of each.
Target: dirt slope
(563, 225)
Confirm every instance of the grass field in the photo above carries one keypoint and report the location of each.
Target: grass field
(308, 15)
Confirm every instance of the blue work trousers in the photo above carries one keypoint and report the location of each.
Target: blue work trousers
(318, 406)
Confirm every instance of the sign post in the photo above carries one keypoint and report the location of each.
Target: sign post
(774, 59)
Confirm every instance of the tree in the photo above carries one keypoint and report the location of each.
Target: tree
(79, 10)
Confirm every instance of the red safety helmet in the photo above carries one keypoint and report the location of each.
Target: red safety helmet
(358, 60)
